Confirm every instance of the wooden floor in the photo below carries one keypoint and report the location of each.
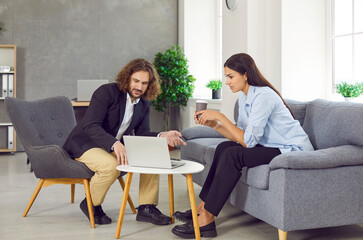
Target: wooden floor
(54, 217)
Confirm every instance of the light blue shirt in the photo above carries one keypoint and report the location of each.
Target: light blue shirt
(267, 121)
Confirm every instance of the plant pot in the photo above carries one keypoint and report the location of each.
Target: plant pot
(216, 94)
(348, 99)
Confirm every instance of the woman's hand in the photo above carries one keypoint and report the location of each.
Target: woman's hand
(208, 117)
(225, 127)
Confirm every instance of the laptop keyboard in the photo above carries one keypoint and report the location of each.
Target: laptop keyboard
(176, 162)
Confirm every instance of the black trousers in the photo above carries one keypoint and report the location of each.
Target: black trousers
(229, 158)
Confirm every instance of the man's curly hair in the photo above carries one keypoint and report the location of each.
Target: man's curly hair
(124, 76)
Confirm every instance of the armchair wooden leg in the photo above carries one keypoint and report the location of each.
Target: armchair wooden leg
(282, 235)
(72, 192)
(89, 202)
(129, 200)
(33, 197)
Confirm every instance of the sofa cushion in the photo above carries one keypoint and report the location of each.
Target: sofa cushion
(332, 124)
(298, 109)
(235, 111)
(200, 132)
(346, 155)
(197, 148)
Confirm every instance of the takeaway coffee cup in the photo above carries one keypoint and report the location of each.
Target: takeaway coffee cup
(200, 105)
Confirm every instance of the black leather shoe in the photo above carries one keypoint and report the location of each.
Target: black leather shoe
(149, 213)
(99, 215)
(184, 216)
(187, 230)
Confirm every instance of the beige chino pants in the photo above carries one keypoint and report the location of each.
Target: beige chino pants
(104, 165)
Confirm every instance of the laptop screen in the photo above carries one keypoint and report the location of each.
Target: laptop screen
(147, 151)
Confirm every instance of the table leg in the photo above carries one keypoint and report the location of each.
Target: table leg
(122, 183)
(123, 204)
(171, 196)
(193, 205)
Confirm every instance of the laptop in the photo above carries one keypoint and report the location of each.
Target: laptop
(152, 152)
(85, 88)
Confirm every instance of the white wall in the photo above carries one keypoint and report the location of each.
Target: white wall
(254, 28)
(234, 41)
(287, 40)
(304, 51)
(264, 38)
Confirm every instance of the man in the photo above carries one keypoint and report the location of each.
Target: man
(118, 109)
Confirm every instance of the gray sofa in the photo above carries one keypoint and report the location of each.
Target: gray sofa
(299, 190)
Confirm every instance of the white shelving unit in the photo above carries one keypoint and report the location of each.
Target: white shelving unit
(8, 88)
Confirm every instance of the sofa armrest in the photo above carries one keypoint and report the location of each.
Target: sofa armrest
(200, 132)
(52, 161)
(347, 155)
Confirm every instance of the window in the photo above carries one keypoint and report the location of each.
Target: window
(347, 40)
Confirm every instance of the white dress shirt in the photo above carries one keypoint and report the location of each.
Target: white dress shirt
(129, 112)
(126, 121)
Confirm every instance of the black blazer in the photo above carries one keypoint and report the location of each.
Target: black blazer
(103, 118)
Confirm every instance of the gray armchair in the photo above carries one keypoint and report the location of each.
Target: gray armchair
(42, 127)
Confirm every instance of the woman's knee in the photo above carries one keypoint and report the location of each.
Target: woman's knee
(222, 147)
(225, 144)
(234, 156)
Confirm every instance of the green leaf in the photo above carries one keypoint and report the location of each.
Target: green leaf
(176, 84)
(349, 90)
(214, 84)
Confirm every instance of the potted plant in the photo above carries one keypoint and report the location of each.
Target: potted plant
(349, 91)
(177, 84)
(216, 86)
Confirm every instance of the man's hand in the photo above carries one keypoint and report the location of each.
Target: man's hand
(120, 152)
(173, 138)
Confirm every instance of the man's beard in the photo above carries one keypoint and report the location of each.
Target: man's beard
(132, 95)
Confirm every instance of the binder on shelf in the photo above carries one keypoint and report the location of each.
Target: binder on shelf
(10, 137)
(4, 92)
(11, 85)
(5, 68)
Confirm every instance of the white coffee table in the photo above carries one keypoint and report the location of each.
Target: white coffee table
(188, 168)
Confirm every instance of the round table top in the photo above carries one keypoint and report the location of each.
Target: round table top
(188, 167)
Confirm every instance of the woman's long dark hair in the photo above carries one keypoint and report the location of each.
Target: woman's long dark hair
(244, 63)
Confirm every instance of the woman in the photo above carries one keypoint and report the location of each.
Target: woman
(265, 129)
